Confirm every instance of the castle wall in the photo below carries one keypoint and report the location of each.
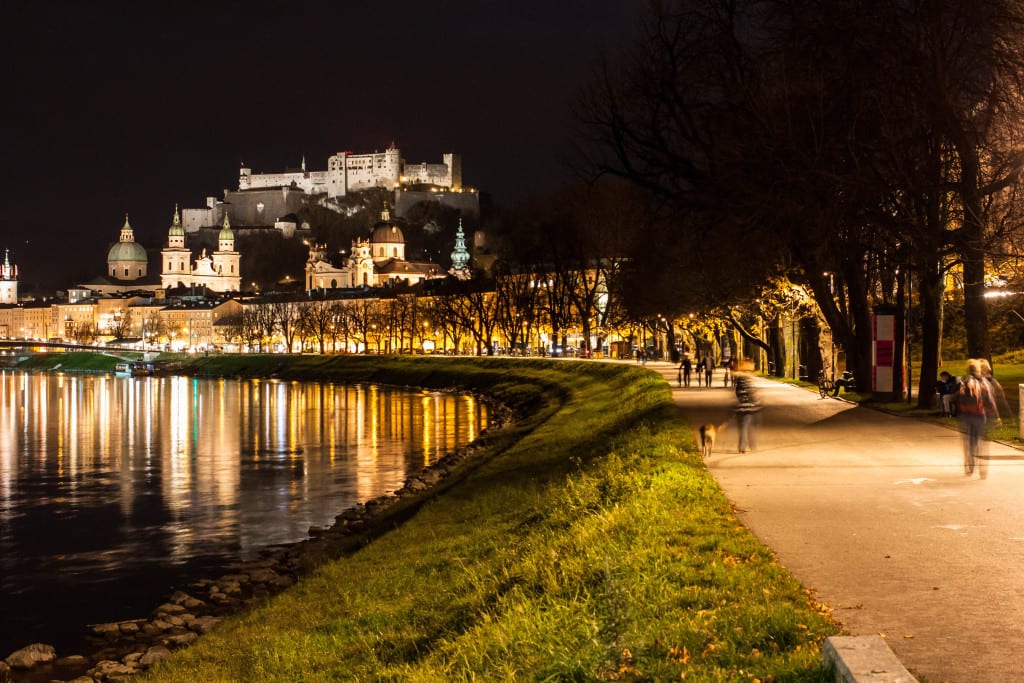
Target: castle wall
(310, 183)
(256, 207)
(433, 174)
(262, 207)
(193, 219)
(468, 202)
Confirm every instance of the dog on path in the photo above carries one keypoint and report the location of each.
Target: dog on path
(708, 433)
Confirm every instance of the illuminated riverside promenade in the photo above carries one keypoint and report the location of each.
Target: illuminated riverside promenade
(114, 490)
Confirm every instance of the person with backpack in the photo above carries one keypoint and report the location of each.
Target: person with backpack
(976, 406)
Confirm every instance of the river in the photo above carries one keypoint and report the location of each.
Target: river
(113, 490)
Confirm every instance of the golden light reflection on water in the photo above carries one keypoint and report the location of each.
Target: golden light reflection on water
(190, 463)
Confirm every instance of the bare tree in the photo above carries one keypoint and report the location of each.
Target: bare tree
(315, 321)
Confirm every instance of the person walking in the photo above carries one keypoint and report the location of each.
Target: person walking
(709, 370)
(976, 408)
(747, 405)
(687, 367)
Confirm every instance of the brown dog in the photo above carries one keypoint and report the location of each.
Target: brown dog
(708, 432)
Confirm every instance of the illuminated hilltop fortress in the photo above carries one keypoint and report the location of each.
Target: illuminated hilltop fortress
(347, 172)
(267, 200)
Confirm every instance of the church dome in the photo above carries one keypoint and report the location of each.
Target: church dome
(127, 249)
(387, 233)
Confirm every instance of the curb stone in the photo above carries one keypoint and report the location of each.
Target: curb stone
(864, 659)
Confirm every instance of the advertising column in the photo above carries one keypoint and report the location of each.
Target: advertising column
(883, 347)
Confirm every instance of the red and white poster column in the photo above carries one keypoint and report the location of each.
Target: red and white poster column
(883, 346)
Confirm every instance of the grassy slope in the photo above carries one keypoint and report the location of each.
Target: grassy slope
(592, 545)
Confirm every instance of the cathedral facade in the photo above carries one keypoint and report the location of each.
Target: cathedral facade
(372, 262)
(219, 271)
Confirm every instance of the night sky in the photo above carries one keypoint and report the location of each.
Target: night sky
(115, 107)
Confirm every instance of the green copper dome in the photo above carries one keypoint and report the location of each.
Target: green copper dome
(225, 232)
(127, 251)
(176, 229)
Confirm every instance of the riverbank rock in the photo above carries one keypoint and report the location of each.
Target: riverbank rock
(30, 655)
(157, 653)
(109, 670)
(5, 672)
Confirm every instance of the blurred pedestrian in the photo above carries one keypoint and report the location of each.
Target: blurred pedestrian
(996, 387)
(687, 367)
(977, 410)
(747, 404)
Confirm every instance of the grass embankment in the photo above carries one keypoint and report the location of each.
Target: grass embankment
(77, 361)
(88, 361)
(593, 545)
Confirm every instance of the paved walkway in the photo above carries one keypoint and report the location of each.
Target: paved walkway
(875, 515)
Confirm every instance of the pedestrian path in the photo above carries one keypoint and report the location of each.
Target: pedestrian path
(875, 515)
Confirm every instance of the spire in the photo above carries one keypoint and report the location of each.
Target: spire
(460, 257)
(385, 215)
(303, 163)
(176, 231)
(226, 238)
(126, 231)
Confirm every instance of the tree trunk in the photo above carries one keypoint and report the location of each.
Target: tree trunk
(929, 294)
(899, 351)
(810, 351)
(777, 344)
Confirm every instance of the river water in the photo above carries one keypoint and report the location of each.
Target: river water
(113, 490)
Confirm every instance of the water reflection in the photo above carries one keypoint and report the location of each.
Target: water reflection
(114, 489)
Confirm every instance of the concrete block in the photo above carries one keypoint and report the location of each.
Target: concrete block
(865, 659)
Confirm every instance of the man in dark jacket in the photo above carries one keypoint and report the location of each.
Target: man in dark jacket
(947, 388)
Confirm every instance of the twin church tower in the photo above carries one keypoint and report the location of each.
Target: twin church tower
(127, 264)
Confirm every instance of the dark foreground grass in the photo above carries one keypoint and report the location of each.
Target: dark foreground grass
(78, 361)
(589, 543)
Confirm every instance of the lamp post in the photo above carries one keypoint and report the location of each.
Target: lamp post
(832, 292)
